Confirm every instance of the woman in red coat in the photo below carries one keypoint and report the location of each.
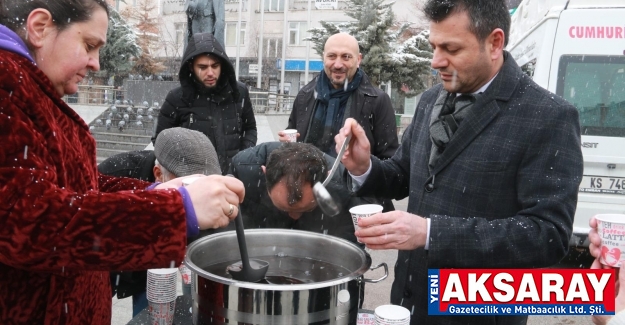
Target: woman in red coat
(63, 226)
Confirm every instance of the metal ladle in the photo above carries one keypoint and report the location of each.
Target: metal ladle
(248, 270)
(323, 197)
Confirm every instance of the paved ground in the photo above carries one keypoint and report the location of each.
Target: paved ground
(375, 294)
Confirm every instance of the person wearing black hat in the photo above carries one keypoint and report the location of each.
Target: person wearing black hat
(210, 100)
(177, 152)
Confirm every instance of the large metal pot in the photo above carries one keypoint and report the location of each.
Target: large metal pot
(325, 297)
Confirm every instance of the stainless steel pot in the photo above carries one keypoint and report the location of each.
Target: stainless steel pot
(330, 268)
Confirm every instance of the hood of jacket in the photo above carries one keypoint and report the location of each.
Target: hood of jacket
(10, 41)
(206, 43)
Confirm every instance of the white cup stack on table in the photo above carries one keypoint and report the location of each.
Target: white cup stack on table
(161, 294)
(392, 315)
(363, 211)
(291, 134)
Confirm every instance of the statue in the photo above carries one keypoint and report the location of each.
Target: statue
(206, 16)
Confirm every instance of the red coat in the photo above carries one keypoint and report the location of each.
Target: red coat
(63, 226)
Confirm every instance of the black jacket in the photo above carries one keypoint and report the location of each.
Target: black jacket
(225, 115)
(131, 164)
(139, 165)
(370, 106)
(259, 212)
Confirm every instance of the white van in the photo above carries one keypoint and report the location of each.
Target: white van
(576, 49)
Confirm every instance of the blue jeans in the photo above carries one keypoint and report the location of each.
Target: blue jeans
(139, 303)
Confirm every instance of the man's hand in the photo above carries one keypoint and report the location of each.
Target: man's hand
(393, 230)
(595, 241)
(283, 137)
(212, 198)
(619, 290)
(357, 156)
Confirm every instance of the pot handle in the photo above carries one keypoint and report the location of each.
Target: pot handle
(380, 279)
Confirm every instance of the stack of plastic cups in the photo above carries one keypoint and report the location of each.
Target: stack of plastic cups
(392, 315)
(161, 294)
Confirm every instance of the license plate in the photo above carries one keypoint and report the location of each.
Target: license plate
(597, 184)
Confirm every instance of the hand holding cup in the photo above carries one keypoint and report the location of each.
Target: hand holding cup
(607, 239)
(288, 135)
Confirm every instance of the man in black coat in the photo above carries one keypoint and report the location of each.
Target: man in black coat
(278, 179)
(340, 91)
(491, 164)
(210, 100)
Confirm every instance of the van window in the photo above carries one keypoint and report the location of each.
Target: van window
(529, 67)
(596, 86)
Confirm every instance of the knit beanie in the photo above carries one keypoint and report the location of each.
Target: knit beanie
(185, 152)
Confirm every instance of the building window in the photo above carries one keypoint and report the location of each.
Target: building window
(181, 32)
(273, 47)
(274, 5)
(297, 32)
(231, 34)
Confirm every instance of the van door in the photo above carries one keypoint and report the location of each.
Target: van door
(588, 70)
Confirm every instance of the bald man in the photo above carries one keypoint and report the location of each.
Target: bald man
(340, 91)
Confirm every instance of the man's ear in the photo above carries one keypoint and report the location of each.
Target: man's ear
(495, 43)
(158, 174)
(264, 169)
(38, 25)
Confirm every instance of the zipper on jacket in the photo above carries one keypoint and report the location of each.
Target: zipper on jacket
(191, 120)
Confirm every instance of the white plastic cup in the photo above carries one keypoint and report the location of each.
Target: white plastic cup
(185, 272)
(611, 229)
(391, 314)
(162, 313)
(363, 211)
(161, 285)
(291, 135)
(188, 180)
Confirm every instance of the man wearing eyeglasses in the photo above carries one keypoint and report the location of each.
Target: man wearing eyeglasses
(340, 91)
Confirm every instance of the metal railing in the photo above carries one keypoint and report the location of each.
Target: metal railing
(95, 95)
(266, 102)
(262, 101)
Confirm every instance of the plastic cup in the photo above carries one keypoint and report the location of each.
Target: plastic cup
(611, 229)
(185, 272)
(291, 135)
(161, 285)
(363, 211)
(392, 314)
(162, 313)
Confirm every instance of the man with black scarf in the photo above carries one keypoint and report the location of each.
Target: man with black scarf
(210, 100)
(340, 91)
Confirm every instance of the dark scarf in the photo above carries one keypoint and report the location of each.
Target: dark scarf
(328, 117)
(448, 112)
